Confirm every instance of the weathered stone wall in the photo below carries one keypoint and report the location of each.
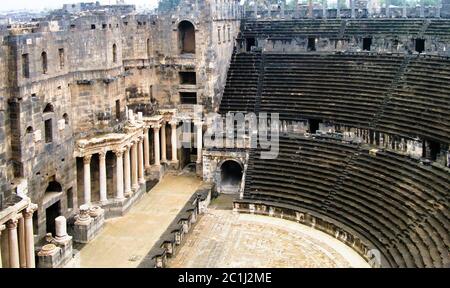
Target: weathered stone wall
(82, 74)
(6, 169)
(35, 158)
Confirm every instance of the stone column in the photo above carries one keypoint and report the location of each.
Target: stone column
(199, 126)
(369, 8)
(310, 9)
(127, 172)
(422, 9)
(156, 144)
(2, 227)
(103, 191)
(404, 13)
(388, 8)
(119, 174)
(21, 237)
(141, 162)
(61, 227)
(163, 143)
(324, 8)
(438, 9)
(338, 10)
(173, 126)
(146, 149)
(256, 9)
(13, 244)
(352, 8)
(87, 179)
(134, 167)
(29, 234)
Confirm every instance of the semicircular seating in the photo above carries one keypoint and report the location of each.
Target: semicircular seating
(394, 202)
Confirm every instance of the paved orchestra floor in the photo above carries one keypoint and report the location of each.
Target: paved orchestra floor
(222, 238)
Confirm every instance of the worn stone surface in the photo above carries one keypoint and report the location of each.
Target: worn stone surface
(225, 239)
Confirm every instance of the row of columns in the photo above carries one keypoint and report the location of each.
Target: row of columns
(352, 8)
(20, 239)
(131, 162)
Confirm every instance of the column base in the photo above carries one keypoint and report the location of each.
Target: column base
(174, 164)
(156, 172)
(128, 194)
(118, 207)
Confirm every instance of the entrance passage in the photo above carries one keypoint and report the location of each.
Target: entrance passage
(50, 215)
(231, 177)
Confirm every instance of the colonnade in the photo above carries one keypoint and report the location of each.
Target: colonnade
(20, 240)
(132, 161)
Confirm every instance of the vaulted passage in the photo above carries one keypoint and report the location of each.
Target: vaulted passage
(231, 176)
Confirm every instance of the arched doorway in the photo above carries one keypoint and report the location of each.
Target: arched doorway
(230, 177)
(54, 210)
(186, 36)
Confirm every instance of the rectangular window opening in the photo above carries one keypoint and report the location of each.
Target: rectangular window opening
(189, 78)
(188, 98)
(367, 43)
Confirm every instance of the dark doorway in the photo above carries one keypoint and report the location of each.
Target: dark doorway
(420, 45)
(50, 215)
(188, 98)
(48, 131)
(313, 125)
(231, 176)
(118, 109)
(250, 43)
(311, 44)
(367, 43)
(189, 78)
(187, 37)
(435, 148)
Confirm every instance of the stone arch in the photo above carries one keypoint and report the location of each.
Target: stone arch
(44, 62)
(114, 52)
(49, 108)
(186, 37)
(53, 186)
(230, 176)
(66, 118)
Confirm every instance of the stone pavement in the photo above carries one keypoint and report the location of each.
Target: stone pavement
(126, 240)
(226, 239)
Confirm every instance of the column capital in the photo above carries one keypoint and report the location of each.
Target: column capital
(156, 127)
(119, 152)
(29, 211)
(12, 223)
(2, 227)
(102, 154)
(173, 122)
(198, 122)
(87, 159)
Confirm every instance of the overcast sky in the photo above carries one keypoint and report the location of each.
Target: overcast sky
(7, 5)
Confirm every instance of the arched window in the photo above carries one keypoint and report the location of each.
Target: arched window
(186, 35)
(48, 108)
(44, 62)
(48, 123)
(66, 118)
(114, 50)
